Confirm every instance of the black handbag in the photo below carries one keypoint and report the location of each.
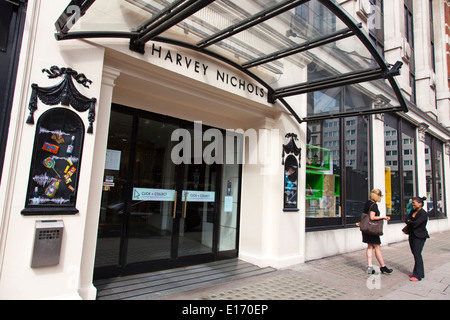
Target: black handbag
(405, 229)
(370, 227)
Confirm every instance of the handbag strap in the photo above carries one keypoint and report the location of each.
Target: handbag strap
(370, 207)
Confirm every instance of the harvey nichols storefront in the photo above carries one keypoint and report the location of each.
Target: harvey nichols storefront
(156, 134)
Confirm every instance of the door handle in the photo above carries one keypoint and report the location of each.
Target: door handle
(174, 206)
(185, 204)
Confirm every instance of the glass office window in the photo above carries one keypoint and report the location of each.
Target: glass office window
(434, 171)
(356, 167)
(392, 167)
(376, 25)
(439, 176)
(400, 166)
(408, 142)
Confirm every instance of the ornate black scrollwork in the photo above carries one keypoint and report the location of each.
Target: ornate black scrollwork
(64, 93)
(290, 147)
(291, 168)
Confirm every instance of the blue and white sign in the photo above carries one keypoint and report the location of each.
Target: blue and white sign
(145, 194)
(199, 196)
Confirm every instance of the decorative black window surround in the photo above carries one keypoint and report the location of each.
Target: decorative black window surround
(64, 93)
(58, 144)
(291, 159)
(55, 166)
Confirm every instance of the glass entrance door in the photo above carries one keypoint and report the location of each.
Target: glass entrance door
(149, 233)
(197, 221)
(154, 214)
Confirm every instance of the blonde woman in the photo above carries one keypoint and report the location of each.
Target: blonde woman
(374, 242)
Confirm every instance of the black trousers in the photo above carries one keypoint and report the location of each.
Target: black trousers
(416, 245)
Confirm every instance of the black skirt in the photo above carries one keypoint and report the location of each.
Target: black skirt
(369, 239)
(366, 238)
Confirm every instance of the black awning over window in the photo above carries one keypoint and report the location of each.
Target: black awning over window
(292, 48)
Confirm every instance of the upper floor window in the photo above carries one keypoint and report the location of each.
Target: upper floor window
(313, 13)
(433, 60)
(409, 31)
(376, 25)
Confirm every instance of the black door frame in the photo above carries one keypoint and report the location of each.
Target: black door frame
(10, 54)
(123, 268)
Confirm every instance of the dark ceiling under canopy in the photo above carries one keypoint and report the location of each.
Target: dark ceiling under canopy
(338, 65)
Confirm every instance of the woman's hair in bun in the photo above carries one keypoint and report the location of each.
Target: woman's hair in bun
(420, 199)
(376, 195)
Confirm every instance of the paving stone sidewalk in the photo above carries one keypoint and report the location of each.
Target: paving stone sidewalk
(343, 277)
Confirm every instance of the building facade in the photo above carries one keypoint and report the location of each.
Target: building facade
(447, 31)
(129, 152)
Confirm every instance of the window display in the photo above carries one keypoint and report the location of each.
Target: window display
(291, 183)
(336, 181)
(323, 185)
(291, 167)
(53, 181)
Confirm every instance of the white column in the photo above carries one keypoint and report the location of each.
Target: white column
(421, 166)
(378, 167)
(268, 235)
(87, 290)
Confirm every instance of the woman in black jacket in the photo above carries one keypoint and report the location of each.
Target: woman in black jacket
(417, 221)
